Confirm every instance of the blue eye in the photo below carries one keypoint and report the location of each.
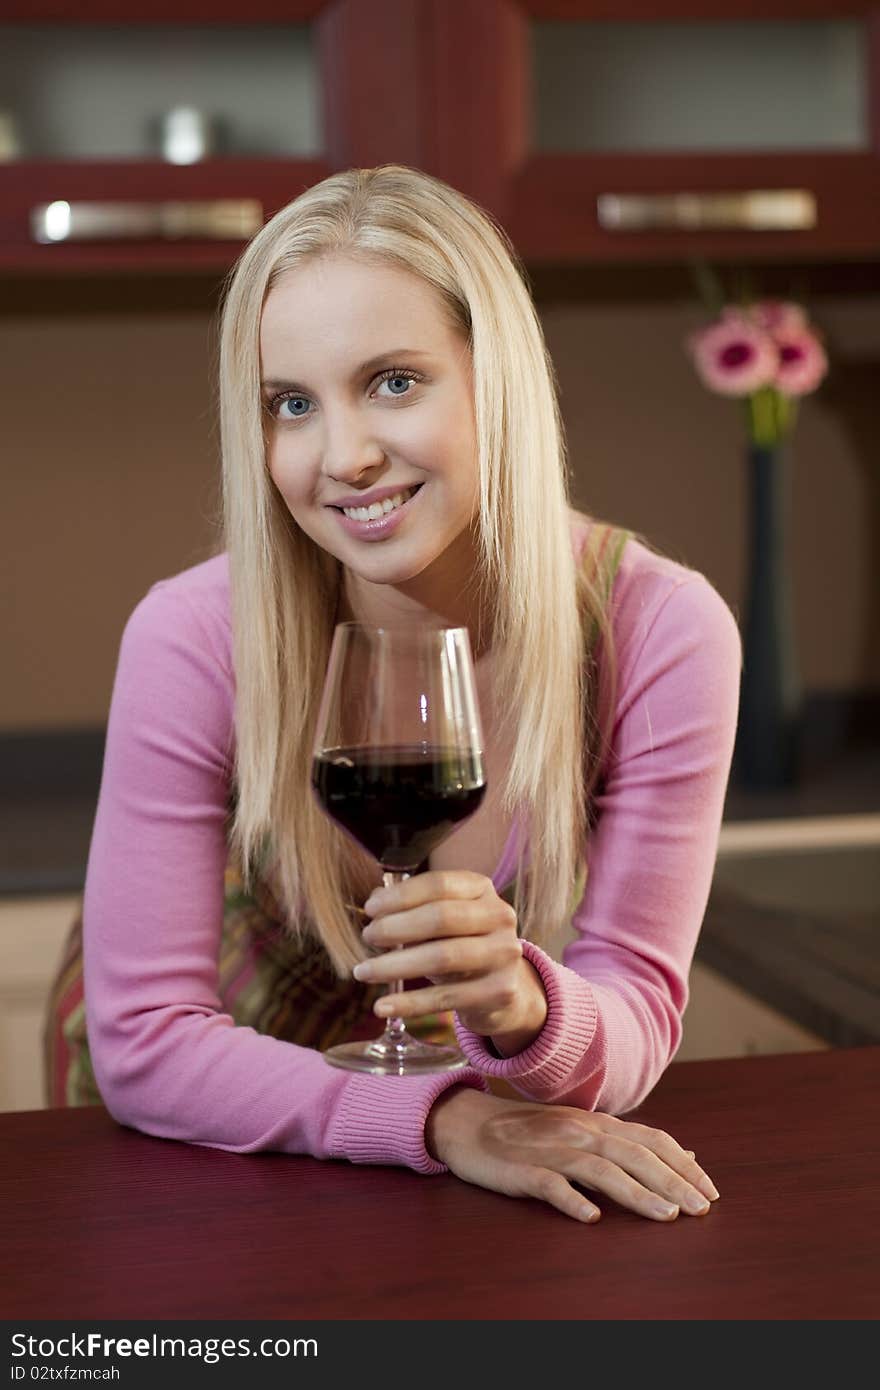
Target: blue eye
(400, 379)
(393, 376)
(398, 376)
(292, 400)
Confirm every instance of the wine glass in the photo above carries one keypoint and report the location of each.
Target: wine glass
(398, 764)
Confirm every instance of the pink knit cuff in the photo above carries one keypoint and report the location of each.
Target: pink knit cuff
(381, 1119)
(547, 1068)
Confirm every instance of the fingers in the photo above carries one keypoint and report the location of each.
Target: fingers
(636, 1177)
(554, 1185)
(427, 887)
(488, 993)
(700, 1179)
(681, 1161)
(554, 1189)
(426, 961)
(444, 917)
(445, 958)
(552, 1152)
(600, 1174)
(605, 1155)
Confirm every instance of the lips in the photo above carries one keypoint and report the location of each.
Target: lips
(381, 526)
(379, 494)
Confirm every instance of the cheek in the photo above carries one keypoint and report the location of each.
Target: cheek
(451, 437)
(463, 459)
(271, 455)
(286, 469)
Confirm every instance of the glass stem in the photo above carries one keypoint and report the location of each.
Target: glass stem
(395, 1028)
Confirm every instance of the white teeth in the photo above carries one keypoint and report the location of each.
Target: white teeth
(378, 509)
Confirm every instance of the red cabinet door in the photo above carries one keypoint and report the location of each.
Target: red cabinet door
(634, 200)
(457, 87)
(135, 211)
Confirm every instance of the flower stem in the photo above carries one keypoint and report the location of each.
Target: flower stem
(764, 429)
(781, 414)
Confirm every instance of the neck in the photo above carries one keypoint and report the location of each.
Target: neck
(440, 599)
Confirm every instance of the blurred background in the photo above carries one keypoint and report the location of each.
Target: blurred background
(643, 156)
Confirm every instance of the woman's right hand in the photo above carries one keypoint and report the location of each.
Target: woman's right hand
(529, 1150)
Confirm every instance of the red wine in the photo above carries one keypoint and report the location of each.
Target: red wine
(399, 801)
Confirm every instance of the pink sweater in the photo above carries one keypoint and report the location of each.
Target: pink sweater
(170, 1063)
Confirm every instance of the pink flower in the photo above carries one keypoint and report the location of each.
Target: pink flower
(802, 362)
(775, 316)
(733, 356)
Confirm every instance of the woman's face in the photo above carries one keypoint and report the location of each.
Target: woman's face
(367, 386)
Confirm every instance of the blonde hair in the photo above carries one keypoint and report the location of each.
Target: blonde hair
(284, 588)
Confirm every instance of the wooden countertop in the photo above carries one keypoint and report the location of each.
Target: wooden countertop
(99, 1221)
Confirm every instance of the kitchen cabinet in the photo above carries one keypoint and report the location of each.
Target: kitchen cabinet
(282, 84)
(598, 132)
(661, 131)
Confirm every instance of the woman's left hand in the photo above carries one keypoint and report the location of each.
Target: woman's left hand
(455, 931)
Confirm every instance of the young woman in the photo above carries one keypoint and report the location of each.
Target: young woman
(378, 342)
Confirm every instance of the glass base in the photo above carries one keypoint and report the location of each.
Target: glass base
(391, 1055)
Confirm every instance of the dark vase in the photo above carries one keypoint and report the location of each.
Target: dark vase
(767, 753)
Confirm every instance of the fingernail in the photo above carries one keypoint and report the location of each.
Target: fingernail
(361, 971)
(696, 1203)
(710, 1189)
(665, 1209)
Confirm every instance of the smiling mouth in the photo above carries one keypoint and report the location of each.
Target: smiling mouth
(416, 489)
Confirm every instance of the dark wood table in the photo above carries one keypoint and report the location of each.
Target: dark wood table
(98, 1220)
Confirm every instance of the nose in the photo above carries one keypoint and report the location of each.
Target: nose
(350, 447)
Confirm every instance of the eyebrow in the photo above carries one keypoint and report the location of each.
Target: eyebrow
(273, 384)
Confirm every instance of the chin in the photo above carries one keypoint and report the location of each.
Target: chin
(399, 570)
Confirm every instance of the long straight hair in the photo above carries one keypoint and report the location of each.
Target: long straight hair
(284, 588)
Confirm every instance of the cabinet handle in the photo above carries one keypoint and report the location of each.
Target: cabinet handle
(231, 219)
(761, 210)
